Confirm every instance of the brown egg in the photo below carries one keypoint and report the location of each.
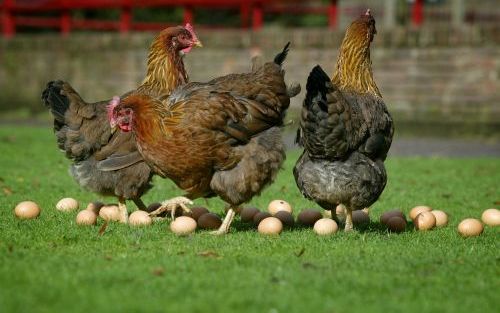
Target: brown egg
(285, 217)
(247, 214)
(470, 227)
(279, 205)
(325, 226)
(491, 217)
(139, 218)
(441, 218)
(270, 226)
(183, 225)
(396, 224)
(67, 205)
(419, 209)
(257, 218)
(86, 217)
(109, 213)
(425, 221)
(198, 211)
(308, 217)
(388, 214)
(360, 218)
(153, 206)
(94, 206)
(209, 221)
(27, 210)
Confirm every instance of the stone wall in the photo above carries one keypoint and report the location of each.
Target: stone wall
(459, 83)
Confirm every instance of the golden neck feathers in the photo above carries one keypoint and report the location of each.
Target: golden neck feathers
(353, 71)
(165, 70)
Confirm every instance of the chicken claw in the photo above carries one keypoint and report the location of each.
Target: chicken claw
(172, 205)
(224, 227)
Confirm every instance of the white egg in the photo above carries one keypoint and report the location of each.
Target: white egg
(279, 205)
(139, 218)
(270, 226)
(491, 217)
(325, 226)
(67, 205)
(183, 225)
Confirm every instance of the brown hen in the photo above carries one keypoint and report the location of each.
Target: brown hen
(218, 138)
(345, 129)
(106, 161)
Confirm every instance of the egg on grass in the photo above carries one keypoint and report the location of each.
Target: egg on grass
(441, 218)
(308, 217)
(110, 213)
(419, 209)
(388, 214)
(425, 221)
(27, 210)
(67, 205)
(257, 218)
(86, 217)
(286, 218)
(396, 224)
(470, 227)
(491, 217)
(247, 214)
(209, 221)
(94, 206)
(139, 218)
(183, 225)
(279, 205)
(270, 226)
(325, 227)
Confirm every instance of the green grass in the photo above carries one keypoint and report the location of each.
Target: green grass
(52, 265)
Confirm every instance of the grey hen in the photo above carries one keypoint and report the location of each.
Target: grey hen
(345, 129)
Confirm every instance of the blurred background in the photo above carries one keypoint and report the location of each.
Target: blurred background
(436, 62)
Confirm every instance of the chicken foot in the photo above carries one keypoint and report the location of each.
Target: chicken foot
(122, 210)
(226, 223)
(172, 205)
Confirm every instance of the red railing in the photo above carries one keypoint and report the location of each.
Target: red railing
(15, 13)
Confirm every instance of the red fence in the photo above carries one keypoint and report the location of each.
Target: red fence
(31, 13)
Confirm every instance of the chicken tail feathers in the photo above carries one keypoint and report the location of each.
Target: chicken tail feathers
(57, 103)
(280, 57)
(317, 83)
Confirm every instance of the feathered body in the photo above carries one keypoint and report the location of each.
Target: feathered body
(217, 138)
(345, 129)
(106, 161)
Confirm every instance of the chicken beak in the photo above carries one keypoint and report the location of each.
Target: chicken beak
(197, 43)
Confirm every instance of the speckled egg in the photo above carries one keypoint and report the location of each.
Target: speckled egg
(279, 205)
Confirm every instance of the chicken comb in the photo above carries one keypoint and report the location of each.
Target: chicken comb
(190, 29)
(110, 108)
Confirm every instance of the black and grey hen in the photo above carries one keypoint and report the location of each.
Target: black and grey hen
(345, 129)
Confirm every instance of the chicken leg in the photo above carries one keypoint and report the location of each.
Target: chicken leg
(122, 210)
(348, 220)
(140, 205)
(226, 223)
(172, 205)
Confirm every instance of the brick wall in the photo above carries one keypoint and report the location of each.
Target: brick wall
(419, 81)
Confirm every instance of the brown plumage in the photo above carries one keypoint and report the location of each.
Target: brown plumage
(106, 161)
(345, 129)
(217, 138)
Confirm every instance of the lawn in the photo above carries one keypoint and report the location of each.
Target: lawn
(52, 265)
